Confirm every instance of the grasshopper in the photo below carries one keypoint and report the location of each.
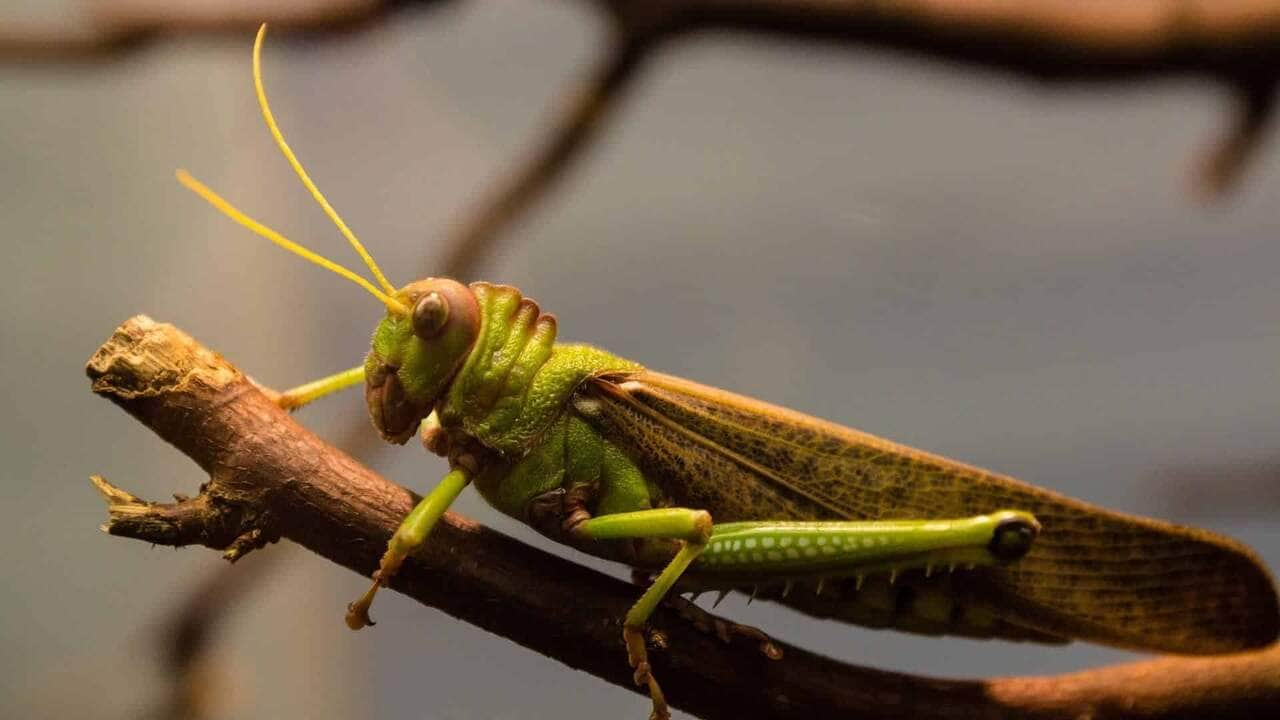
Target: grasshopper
(701, 489)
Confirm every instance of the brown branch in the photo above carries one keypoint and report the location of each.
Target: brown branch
(271, 478)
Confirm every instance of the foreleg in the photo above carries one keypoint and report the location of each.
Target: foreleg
(296, 397)
(411, 534)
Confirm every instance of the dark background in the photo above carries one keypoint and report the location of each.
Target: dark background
(1008, 276)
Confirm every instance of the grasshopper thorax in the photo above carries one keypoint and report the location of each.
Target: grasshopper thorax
(415, 356)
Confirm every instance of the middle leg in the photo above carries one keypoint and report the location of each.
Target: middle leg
(691, 527)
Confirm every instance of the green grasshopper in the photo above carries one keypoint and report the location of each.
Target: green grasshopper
(701, 489)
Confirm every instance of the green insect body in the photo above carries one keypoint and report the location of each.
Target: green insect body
(592, 449)
(706, 490)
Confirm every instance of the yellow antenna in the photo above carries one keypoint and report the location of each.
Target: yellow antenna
(297, 166)
(230, 211)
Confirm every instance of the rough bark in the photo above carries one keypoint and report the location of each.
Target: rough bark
(270, 478)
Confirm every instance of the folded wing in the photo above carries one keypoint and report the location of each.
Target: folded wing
(1093, 574)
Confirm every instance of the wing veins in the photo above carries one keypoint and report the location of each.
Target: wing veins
(618, 393)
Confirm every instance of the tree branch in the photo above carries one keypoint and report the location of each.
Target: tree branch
(271, 478)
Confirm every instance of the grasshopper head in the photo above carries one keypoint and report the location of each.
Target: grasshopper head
(430, 324)
(414, 357)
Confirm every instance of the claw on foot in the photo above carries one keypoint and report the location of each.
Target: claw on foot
(638, 658)
(724, 629)
(358, 611)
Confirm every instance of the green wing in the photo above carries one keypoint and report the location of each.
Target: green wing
(1093, 574)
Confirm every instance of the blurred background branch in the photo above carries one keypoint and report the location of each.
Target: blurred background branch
(187, 637)
(1242, 488)
(1053, 42)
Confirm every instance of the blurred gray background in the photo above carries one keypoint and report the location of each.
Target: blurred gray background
(1011, 277)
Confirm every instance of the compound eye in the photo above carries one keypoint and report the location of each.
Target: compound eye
(430, 314)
